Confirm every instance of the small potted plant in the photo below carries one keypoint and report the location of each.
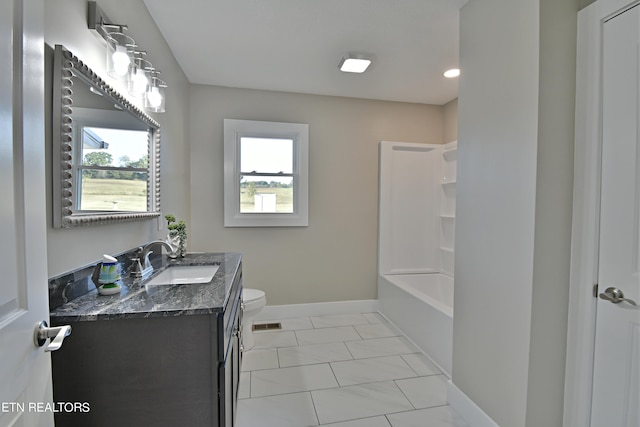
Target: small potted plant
(177, 234)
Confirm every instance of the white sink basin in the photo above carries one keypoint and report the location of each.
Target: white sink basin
(186, 275)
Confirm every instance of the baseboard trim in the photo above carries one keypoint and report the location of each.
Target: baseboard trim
(317, 309)
(467, 408)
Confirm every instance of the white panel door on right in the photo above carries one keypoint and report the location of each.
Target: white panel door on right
(616, 387)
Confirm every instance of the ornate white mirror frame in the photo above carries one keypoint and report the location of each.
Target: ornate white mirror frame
(66, 210)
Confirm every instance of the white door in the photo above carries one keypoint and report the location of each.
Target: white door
(25, 370)
(616, 382)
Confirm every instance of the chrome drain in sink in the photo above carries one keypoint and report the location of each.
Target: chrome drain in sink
(266, 326)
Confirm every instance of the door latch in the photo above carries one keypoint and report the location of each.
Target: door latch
(57, 335)
(616, 296)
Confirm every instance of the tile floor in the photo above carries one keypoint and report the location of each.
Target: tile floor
(353, 370)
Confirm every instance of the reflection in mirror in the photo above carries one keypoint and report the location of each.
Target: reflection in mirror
(106, 155)
(109, 178)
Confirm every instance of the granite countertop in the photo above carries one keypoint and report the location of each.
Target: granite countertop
(136, 301)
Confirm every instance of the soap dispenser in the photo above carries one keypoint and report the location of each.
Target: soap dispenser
(109, 275)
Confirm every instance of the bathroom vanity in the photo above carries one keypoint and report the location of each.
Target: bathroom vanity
(160, 355)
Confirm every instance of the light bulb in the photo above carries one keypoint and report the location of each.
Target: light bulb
(120, 61)
(118, 55)
(154, 97)
(140, 81)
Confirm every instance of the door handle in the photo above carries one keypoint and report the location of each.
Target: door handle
(57, 335)
(616, 296)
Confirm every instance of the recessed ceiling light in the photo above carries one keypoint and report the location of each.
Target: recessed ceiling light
(454, 72)
(355, 63)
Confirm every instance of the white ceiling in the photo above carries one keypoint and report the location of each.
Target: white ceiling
(295, 45)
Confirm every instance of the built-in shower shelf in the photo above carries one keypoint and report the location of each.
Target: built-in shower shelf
(450, 154)
(448, 208)
(447, 272)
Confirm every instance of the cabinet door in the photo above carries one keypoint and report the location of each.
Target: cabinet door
(229, 380)
(227, 397)
(236, 357)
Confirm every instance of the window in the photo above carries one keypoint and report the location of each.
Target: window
(265, 174)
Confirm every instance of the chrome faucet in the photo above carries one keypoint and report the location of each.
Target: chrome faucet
(142, 266)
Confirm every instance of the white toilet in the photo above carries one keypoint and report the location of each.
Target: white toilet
(254, 300)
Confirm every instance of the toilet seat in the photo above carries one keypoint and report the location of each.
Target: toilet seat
(253, 299)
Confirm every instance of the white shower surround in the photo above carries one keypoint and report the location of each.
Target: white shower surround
(415, 243)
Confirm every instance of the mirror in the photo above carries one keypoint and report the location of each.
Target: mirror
(106, 154)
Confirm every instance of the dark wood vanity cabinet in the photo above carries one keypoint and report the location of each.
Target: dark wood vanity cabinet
(157, 371)
(230, 365)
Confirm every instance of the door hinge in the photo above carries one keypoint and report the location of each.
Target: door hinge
(595, 290)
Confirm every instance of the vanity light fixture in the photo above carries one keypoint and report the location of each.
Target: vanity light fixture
(355, 62)
(124, 61)
(450, 74)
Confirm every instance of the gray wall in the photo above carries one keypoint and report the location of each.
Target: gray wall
(66, 24)
(514, 207)
(334, 258)
(554, 197)
(495, 205)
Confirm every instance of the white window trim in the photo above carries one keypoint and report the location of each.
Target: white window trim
(234, 130)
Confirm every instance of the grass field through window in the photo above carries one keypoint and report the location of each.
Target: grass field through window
(110, 194)
(284, 199)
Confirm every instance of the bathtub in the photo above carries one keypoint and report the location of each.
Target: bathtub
(421, 306)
